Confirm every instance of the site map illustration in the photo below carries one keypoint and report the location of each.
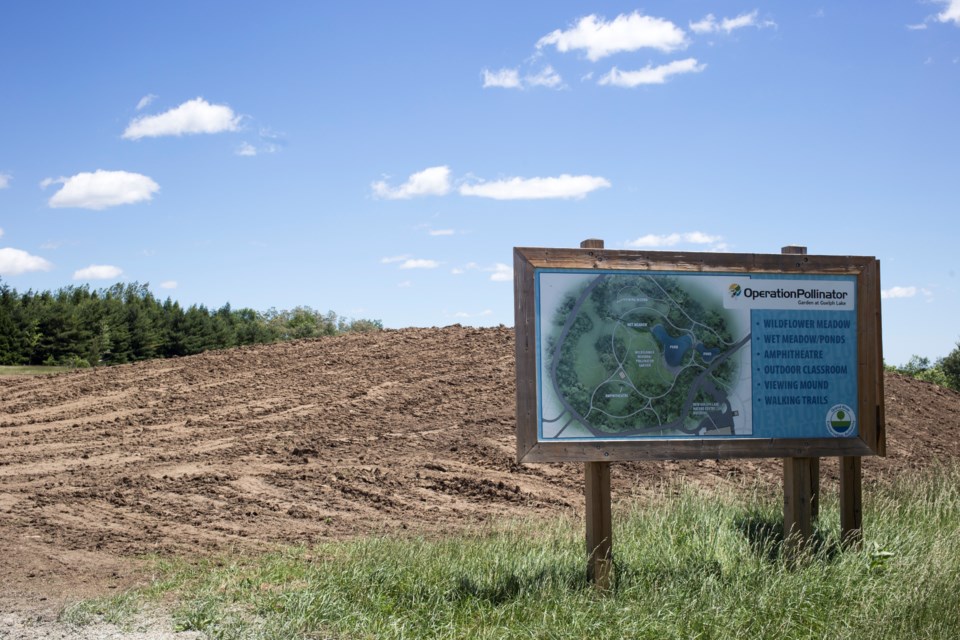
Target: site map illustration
(633, 355)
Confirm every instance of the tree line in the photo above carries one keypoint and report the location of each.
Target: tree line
(944, 371)
(80, 326)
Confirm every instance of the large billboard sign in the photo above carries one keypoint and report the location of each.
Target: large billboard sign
(627, 355)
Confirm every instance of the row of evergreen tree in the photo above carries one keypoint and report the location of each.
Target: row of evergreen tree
(79, 326)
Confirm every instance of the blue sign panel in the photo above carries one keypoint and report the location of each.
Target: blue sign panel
(625, 355)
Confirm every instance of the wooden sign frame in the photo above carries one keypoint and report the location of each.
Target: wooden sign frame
(870, 439)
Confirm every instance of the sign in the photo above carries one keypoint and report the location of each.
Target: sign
(627, 355)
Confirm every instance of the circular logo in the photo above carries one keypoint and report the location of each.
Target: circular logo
(841, 421)
(734, 290)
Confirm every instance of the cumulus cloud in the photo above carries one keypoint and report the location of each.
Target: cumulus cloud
(503, 78)
(434, 181)
(5, 179)
(653, 241)
(419, 263)
(101, 189)
(899, 292)
(600, 38)
(441, 232)
(464, 315)
(547, 77)
(501, 272)
(510, 79)
(145, 101)
(14, 262)
(564, 187)
(709, 24)
(392, 259)
(191, 117)
(98, 272)
(246, 149)
(951, 13)
(169, 284)
(650, 74)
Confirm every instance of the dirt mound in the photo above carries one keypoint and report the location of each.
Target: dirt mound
(314, 440)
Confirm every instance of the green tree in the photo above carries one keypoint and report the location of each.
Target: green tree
(950, 365)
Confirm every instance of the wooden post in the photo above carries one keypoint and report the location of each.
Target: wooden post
(599, 517)
(851, 501)
(814, 462)
(801, 482)
(797, 519)
(599, 524)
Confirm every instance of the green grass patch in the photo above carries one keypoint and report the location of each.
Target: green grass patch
(25, 370)
(688, 565)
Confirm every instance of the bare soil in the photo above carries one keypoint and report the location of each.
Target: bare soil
(397, 432)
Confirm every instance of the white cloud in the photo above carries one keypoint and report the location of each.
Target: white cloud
(504, 79)
(5, 179)
(906, 292)
(193, 116)
(406, 284)
(510, 79)
(917, 27)
(392, 259)
(419, 263)
(563, 186)
(434, 181)
(457, 271)
(650, 74)
(169, 284)
(145, 101)
(441, 232)
(600, 38)
(709, 23)
(465, 315)
(268, 141)
(246, 149)
(101, 189)
(501, 272)
(98, 272)
(14, 262)
(548, 77)
(653, 241)
(951, 13)
(51, 246)
(1, 232)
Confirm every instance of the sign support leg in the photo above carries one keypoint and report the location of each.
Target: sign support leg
(851, 501)
(797, 520)
(599, 524)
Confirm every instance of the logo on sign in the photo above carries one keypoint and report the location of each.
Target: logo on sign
(841, 420)
(735, 290)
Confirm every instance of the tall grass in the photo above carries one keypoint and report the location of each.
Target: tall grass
(688, 565)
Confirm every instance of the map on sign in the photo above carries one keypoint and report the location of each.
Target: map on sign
(626, 355)
(634, 355)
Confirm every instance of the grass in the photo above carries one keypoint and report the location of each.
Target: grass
(688, 565)
(7, 370)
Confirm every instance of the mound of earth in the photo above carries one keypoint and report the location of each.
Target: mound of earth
(397, 431)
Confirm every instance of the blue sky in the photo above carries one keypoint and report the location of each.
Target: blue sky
(383, 159)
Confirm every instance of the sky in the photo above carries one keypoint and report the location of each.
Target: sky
(382, 159)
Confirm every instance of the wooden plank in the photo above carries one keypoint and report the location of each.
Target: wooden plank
(526, 357)
(599, 524)
(700, 262)
(694, 449)
(851, 501)
(797, 518)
